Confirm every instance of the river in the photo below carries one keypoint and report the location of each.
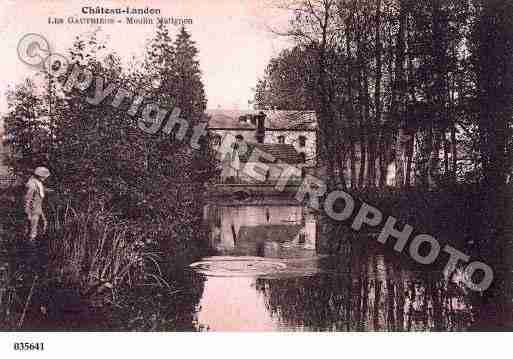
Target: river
(268, 274)
(270, 265)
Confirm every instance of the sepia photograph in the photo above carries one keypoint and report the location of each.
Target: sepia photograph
(255, 166)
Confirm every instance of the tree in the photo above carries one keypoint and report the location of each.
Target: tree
(495, 80)
(287, 82)
(26, 126)
(400, 81)
(191, 93)
(97, 149)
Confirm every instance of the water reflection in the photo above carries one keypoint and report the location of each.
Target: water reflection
(265, 230)
(234, 304)
(269, 277)
(367, 301)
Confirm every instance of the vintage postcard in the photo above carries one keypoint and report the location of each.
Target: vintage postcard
(255, 166)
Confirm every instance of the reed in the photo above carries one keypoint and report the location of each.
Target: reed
(96, 250)
(8, 300)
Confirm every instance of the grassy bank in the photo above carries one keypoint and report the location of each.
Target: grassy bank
(97, 263)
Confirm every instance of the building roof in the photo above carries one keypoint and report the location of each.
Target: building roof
(281, 152)
(275, 119)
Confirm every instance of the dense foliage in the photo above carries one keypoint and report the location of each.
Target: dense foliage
(426, 85)
(127, 203)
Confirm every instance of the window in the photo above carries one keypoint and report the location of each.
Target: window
(281, 139)
(216, 140)
(302, 141)
(239, 139)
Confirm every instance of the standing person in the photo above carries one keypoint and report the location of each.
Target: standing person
(34, 201)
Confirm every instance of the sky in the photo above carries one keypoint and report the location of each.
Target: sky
(233, 37)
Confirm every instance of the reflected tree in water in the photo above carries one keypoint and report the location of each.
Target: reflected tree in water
(374, 296)
(159, 309)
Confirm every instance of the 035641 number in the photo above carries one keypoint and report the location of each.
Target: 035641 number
(29, 346)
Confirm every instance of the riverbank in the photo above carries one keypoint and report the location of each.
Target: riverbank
(93, 267)
(97, 270)
(454, 215)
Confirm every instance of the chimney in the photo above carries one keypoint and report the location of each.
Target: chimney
(260, 132)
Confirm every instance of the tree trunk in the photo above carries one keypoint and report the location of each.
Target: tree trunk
(409, 160)
(363, 159)
(439, 53)
(399, 161)
(367, 132)
(324, 105)
(352, 161)
(400, 95)
(362, 108)
(446, 155)
(351, 112)
(377, 100)
(454, 153)
(434, 159)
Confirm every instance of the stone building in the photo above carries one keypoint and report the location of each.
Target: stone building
(282, 153)
(281, 133)
(290, 136)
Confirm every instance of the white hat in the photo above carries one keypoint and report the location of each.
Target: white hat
(42, 172)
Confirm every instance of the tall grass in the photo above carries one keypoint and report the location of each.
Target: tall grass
(8, 298)
(94, 255)
(94, 249)
(91, 253)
